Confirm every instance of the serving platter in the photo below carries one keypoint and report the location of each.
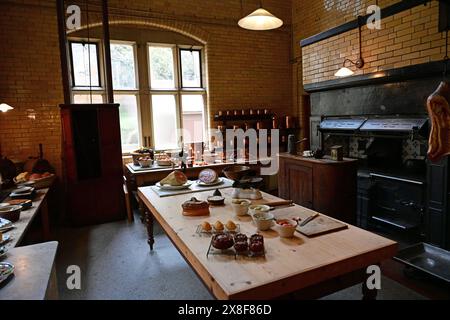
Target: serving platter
(168, 187)
(215, 183)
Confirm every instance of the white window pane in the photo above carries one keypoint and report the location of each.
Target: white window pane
(190, 68)
(82, 59)
(123, 68)
(85, 98)
(193, 118)
(162, 68)
(129, 121)
(164, 112)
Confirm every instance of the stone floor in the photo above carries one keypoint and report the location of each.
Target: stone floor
(116, 263)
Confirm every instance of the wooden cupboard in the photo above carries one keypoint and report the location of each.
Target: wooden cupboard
(92, 163)
(323, 185)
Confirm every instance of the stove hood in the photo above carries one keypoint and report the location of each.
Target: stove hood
(376, 125)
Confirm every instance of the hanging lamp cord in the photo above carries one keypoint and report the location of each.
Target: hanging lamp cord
(89, 50)
(446, 58)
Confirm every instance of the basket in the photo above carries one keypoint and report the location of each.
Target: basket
(44, 182)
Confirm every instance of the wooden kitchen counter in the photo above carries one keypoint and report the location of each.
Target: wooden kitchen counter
(324, 185)
(40, 206)
(308, 267)
(34, 275)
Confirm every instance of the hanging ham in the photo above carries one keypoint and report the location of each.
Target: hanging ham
(439, 112)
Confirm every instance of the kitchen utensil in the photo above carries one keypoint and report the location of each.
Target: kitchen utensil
(286, 227)
(24, 203)
(5, 238)
(38, 164)
(337, 153)
(427, 258)
(11, 213)
(257, 208)
(263, 220)
(216, 200)
(168, 187)
(215, 183)
(6, 270)
(240, 206)
(280, 203)
(236, 172)
(321, 225)
(3, 251)
(309, 219)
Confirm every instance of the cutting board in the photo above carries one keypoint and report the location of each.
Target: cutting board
(321, 225)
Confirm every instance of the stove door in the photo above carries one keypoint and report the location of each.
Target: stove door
(397, 203)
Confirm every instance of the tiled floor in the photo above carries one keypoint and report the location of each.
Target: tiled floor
(116, 263)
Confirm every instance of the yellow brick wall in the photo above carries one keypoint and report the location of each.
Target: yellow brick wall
(408, 38)
(245, 68)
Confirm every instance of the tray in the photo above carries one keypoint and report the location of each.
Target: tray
(200, 231)
(427, 258)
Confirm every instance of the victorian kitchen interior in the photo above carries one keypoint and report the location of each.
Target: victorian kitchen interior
(229, 150)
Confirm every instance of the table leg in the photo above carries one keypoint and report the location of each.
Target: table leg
(149, 221)
(368, 294)
(45, 220)
(142, 210)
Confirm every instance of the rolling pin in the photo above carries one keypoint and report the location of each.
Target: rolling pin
(279, 203)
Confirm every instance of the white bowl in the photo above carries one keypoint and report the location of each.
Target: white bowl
(287, 230)
(263, 220)
(241, 208)
(258, 208)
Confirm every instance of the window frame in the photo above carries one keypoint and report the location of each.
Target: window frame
(179, 90)
(136, 63)
(192, 48)
(99, 65)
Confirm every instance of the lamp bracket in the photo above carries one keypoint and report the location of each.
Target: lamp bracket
(358, 63)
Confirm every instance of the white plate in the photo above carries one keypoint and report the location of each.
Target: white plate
(6, 269)
(217, 182)
(6, 238)
(3, 251)
(167, 187)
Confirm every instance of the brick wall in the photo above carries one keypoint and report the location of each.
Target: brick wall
(408, 38)
(245, 68)
(30, 81)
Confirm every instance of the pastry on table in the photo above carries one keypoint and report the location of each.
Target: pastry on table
(218, 226)
(206, 226)
(241, 247)
(240, 237)
(257, 247)
(195, 207)
(231, 226)
(256, 238)
(222, 241)
(208, 176)
(174, 179)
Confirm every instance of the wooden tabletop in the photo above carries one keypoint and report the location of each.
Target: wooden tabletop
(34, 275)
(289, 264)
(26, 217)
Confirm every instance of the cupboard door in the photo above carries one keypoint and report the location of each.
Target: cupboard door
(299, 181)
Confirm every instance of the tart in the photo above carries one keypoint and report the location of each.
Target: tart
(218, 226)
(195, 207)
(206, 226)
(231, 226)
(222, 241)
(175, 179)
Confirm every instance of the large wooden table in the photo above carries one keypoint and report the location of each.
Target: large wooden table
(303, 267)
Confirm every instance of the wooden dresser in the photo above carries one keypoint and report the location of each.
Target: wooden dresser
(324, 185)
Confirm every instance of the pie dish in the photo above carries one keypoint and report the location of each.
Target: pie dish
(208, 177)
(6, 269)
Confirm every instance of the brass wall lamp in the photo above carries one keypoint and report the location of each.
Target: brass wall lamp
(346, 72)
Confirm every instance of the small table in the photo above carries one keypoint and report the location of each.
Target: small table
(302, 266)
(40, 206)
(144, 177)
(34, 275)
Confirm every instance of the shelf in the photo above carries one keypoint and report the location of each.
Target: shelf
(248, 117)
